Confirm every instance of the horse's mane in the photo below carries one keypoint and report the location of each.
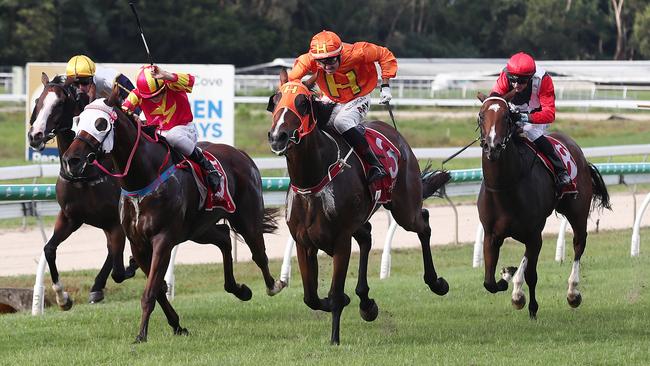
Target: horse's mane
(59, 79)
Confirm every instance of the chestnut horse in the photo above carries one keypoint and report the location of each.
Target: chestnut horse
(518, 194)
(328, 219)
(169, 213)
(91, 198)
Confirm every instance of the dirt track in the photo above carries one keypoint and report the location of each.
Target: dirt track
(85, 249)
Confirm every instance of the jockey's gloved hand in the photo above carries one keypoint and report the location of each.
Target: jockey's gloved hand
(385, 96)
(521, 117)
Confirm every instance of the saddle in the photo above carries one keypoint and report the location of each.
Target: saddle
(388, 155)
(567, 159)
(209, 199)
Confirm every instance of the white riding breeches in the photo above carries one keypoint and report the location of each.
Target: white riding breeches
(183, 137)
(347, 115)
(533, 131)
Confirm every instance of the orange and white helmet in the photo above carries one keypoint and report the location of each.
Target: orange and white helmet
(521, 64)
(325, 44)
(147, 85)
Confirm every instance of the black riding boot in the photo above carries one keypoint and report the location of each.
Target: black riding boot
(355, 138)
(547, 149)
(212, 176)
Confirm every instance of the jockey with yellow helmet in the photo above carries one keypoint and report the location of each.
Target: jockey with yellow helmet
(95, 81)
(535, 100)
(346, 74)
(163, 98)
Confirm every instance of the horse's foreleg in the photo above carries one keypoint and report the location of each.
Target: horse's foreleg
(532, 255)
(63, 227)
(518, 296)
(308, 263)
(161, 254)
(491, 247)
(337, 297)
(115, 240)
(368, 307)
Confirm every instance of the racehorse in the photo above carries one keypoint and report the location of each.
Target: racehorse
(518, 194)
(328, 217)
(88, 199)
(169, 212)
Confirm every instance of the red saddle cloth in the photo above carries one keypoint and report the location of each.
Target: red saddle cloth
(564, 154)
(221, 199)
(388, 156)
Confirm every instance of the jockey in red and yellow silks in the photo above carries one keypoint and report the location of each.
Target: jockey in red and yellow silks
(163, 98)
(534, 98)
(346, 74)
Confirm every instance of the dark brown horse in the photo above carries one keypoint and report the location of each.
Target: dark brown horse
(518, 194)
(170, 212)
(91, 198)
(328, 219)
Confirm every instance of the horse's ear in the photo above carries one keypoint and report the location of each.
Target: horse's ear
(114, 99)
(481, 96)
(284, 76)
(271, 106)
(303, 104)
(44, 78)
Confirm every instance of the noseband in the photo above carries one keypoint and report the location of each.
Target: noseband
(508, 120)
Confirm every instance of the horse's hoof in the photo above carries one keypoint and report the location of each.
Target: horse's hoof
(574, 301)
(140, 339)
(277, 287)
(370, 313)
(519, 303)
(244, 293)
(67, 306)
(95, 297)
(533, 315)
(502, 285)
(181, 331)
(440, 287)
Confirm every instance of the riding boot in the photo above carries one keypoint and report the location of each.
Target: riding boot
(212, 176)
(355, 138)
(547, 149)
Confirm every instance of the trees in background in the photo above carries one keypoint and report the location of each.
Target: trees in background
(245, 32)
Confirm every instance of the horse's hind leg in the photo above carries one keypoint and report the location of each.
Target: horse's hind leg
(97, 291)
(219, 235)
(368, 307)
(251, 232)
(63, 227)
(419, 223)
(579, 226)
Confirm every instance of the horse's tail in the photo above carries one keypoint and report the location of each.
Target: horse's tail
(433, 180)
(600, 195)
(270, 220)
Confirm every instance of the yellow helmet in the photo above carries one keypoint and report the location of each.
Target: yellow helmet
(80, 66)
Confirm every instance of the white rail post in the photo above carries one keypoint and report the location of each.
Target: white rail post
(169, 275)
(560, 248)
(478, 247)
(384, 270)
(285, 270)
(636, 235)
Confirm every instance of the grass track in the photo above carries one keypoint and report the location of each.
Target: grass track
(468, 326)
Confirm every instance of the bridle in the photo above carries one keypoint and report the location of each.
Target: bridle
(509, 123)
(67, 94)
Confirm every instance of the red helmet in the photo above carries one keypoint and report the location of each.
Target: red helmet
(521, 64)
(325, 44)
(147, 85)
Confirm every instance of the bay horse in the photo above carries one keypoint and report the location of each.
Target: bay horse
(91, 198)
(517, 195)
(170, 213)
(328, 218)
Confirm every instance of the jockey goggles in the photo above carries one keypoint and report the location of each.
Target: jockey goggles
(328, 61)
(82, 81)
(518, 79)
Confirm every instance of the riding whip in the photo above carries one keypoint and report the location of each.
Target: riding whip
(144, 40)
(390, 112)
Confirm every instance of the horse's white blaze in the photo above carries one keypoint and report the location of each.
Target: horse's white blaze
(492, 135)
(327, 199)
(41, 119)
(574, 279)
(279, 123)
(518, 280)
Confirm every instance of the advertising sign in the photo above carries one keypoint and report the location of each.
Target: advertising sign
(211, 100)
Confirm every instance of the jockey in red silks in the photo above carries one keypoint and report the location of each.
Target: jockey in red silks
(163, 98)
(346, 74)
(535, 99)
